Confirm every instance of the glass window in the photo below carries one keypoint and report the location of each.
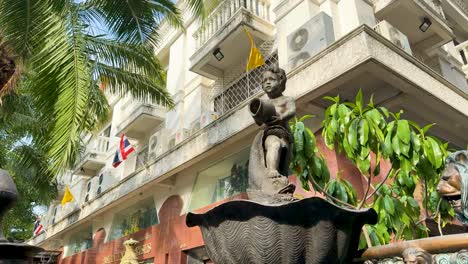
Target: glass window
(220, 181)
(80, 241)
(134, 218)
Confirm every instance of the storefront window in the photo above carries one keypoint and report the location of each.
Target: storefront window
(133, 219)
(80, 241)
(220, 181)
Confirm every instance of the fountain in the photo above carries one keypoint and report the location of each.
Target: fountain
(11, 252)
(273, 227)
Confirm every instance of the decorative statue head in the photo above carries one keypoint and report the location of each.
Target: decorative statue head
(453, 185)
(416, 256)
(274, 81)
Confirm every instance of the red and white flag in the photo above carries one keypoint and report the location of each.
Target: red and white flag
(38, 227)
(125, 148)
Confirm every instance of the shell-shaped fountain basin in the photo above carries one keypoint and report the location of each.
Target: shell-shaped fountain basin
(308, 231)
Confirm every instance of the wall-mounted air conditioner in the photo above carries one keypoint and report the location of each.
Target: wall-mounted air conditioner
(159, 143)
(207, 117)
(309, 39)
(394, 35)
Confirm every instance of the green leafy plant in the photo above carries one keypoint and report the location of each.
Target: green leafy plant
(369, 135)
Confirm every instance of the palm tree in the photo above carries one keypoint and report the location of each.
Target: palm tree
(60, 59)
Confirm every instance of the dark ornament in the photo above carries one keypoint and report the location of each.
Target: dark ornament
(11, 252)
(306, 231)
(453, 185)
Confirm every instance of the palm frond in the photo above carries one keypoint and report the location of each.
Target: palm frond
(97, 113)
(140, 86)
(24, 24)
(135, 21)
(116, 54)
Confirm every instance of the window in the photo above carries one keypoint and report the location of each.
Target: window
(80, 241)
(220, 181)
(134, 218)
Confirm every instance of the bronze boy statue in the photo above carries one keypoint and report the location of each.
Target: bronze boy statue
(270, 152)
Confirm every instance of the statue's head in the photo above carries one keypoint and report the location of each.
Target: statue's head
(453, 185)
(416, 256)
(274, 81)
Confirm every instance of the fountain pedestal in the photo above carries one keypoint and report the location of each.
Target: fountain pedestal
(10, 252)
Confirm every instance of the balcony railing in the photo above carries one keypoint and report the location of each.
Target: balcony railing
(98, 145)
(462, 4)
(463, 49)
(436, 6)
(225, 11)
(242, 88)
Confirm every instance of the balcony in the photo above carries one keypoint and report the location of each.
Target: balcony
(223, 29)
(463, 50)
(137, 119)
(94, 158)
(456, 11)
(407, 16)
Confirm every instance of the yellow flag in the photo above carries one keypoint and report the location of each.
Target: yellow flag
(67, 196)
(255, 57)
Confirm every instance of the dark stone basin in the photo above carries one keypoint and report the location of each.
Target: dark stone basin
(310, 231)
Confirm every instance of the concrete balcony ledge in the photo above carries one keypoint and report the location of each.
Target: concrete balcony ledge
(94, 157)
(139, 119)
(224, 30)
(360, 57)
(407, 16)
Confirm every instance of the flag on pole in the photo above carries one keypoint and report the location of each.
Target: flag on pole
(255, 57)
(125, 148)
(38, 227)
(67, 196)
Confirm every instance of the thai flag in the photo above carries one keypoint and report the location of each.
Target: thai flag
(38, 227)
(122, 152)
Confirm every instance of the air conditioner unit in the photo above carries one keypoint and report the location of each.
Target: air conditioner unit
(181, 134)
(159, 143)
(207, 117)
(394, 35)
(309, 39)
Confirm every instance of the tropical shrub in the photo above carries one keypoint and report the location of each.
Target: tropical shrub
(370, 134)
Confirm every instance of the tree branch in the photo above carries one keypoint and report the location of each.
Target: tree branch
(315, 185)
(381, 183)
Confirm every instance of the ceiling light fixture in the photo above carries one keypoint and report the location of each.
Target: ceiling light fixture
(218, 54)
(425, 24)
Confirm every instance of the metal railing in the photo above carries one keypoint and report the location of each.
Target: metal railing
(462, 48)
(245, 86)
(462, 4)
(225, 11)
(436, 6)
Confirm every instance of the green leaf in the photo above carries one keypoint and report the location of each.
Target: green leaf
(299, 137)
(403, 131)
(396, 145)
(377, 165)
(363, 165)
(335, 99)
(438, 157)
(305, 117)
(331, 187)
(309, 143)
(359, 100)
(353, 133)
(405, 165)
(363, 131)
(340, 192)
(388, 205)
(415, 141)
(384, 111)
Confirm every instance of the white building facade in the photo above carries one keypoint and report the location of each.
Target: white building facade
(411, 54)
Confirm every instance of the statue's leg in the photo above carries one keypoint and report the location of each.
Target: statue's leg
(273, 153)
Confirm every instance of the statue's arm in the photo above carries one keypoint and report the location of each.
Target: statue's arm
(290, 110)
